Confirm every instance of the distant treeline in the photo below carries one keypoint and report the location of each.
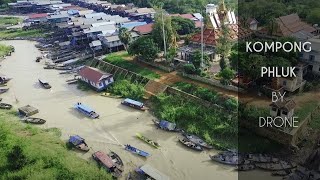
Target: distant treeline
(266, 10)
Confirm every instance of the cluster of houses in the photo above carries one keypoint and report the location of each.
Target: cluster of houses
(93, 23)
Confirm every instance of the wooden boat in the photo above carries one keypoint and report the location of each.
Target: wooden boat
(147, 140)
(190, 144)
(229, 159)
(4, 79)
(105, 94)
(79, 143)
(276, 166)
(134, 104)
(86, 110)
(3, 90)
(116, 158)
(44, 83)
(261, 158)
(166, 125)
(136, 151)
(38, 59)
(63, 67)
(197, 140)
(34, 120)
(5, 106)
(282, 172)
(151, 173)
(245, 167)
(108, 163)
(48, 67)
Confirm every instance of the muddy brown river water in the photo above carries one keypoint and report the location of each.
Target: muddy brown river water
(116, 126)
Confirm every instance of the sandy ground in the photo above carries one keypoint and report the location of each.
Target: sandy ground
(117, 125)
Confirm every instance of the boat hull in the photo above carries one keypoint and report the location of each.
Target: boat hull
(136, 151)
(190, 144)
(148, 141)
(5, 106)
(34, 120)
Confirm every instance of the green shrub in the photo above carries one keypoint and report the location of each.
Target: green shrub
(189, 69)
(127, 89)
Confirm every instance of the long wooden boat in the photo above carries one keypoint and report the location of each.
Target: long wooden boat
(229, 159)
(63, 67)
(166, 125)
(44, 83)
(3, 90)
(79, 143)
(282, 172)
(48, 67)
(195, 139)
(276, 166)
(151, 173)
(5, 105)
(245, 167)
(147, 140)
(86, 110)
(134, 104)
(261, 158)
(190, 144)
(108, 163)
(105, 94)
(34, 120)
(116, 159)
(136, 151)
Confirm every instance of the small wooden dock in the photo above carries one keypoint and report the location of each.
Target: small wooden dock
(28, 110)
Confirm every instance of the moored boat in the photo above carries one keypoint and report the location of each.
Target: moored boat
(245, 167)
(79, 143)
(166, 125)
(228, 158)
(5, 105)
(190, 144)
(63, 67)
(86, 110)
(276, 166)
(34, 120)
(134, 104)
(282, 172)
(197, 140)
(3, 90)
(107, 162)
(116, 159)
(105, 94)
(151, 173)
(136, 151)
(261, 158)
(147, 140)
(44, 83)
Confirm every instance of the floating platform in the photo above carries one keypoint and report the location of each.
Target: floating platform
(28, 110)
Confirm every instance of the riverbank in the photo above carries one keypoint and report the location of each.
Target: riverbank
(117, 125)
(28, 152)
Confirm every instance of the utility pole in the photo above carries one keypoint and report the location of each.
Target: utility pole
(164, 36)
(201, 65)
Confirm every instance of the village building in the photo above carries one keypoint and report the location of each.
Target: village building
(113, 43)
(143, 29)
(37, 18)
(96, 78)
(282, 108)
(59, 18)
(312, 58)
(292, 84)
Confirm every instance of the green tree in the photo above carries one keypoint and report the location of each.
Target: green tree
(183, 26)
(157, 31)
(16, 158)
(144, 47)
(224, 46)
(125, 37)
(227, 74)
(196, 59)
(314, 16)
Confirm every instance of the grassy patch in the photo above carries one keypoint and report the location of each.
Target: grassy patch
(5, 50)
(217, 128)
(119, 59)
(27, 152)
(5, 21)
(303, 111)
(125, 88)
(21, 33)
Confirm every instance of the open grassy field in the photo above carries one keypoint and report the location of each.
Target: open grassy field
(4, 21)
(21, 33)
(119, 59)
(28, 152)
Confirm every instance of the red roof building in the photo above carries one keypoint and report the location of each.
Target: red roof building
(96, 78)
(37, 16)
(143, 29)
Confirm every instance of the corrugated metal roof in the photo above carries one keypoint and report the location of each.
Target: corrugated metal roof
(154, 173)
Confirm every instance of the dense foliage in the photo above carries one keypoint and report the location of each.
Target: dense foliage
(5, 21)
(127, 89)
(183, 26)
(125, 37)
(5, 50)
(217, 128)
(145, 48)
(32, 153)
(21, 33)
(230, 104)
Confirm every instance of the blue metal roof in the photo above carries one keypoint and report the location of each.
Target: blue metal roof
(130, 101)
(84, 107)
(130, 25)
(75, 139)
(167, 124)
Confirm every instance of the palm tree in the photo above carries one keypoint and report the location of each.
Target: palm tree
(125, 37)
